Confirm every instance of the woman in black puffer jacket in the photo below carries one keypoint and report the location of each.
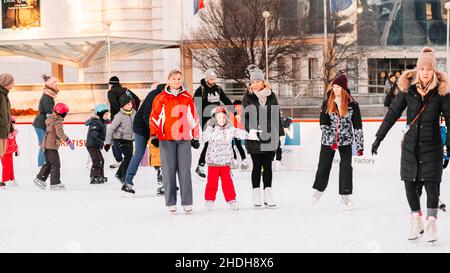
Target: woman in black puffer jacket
(425, 89)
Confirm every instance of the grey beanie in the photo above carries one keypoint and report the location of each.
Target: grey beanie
(210, 75)
(256, 74)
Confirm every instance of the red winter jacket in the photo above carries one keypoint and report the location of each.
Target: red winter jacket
(174, 117)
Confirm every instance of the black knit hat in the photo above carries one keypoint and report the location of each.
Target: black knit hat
(114, 80)
(342, 81)
(124, 100)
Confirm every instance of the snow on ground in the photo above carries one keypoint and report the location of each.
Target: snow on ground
(95, 218)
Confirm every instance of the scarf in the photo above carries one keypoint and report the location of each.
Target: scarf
(50, 91)
(262, 95)
(174, 92)
(423, 91)
(128, 113)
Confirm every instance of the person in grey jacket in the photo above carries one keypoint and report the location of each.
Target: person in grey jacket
(121, 131)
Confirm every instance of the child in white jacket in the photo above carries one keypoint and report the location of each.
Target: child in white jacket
(219, 156)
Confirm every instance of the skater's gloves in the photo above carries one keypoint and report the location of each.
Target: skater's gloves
(107, 146)
(360, 152)
(70, 143)
(445, 163)
(211, 122)
(375, 146)
(154, 141)
(195, 144)
(253, 135)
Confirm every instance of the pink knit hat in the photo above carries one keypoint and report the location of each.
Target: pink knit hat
(50, 81)
(427, 59)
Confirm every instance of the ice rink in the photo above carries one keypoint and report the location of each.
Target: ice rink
(95, 218)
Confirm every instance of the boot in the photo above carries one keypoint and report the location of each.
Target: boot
(187, 209)
(244, 164)
(346, 202)
(57, 187)
(96, 180)
(431, 229)
(172, 209)
(268, 201)
(12, 183)
(416, 226)
(127, 188)
(40, 183)
(257, 197)
(316, 196)
(200, 170)
(233, 205)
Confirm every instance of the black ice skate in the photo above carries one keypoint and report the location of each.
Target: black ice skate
(128, 190)
(97, 180)
(40, 183)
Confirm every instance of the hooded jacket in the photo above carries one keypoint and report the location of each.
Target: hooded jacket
(96, 134)
(54, 133)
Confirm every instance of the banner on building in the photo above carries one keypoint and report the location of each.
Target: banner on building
(20, 14)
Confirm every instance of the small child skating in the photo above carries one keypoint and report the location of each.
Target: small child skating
(95, 141)
(8, 178)
(54, 135)
(219, 156)
(121, 130)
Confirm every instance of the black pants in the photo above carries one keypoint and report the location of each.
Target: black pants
(263, 160)
(116, 151)
(432, 189)
(420, 186)
(345, 169)
(238, 144)
(97, 162)
(202, 159)
(51, 167)
(126, 148)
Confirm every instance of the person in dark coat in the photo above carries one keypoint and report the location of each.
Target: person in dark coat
(141, 128)
(95, 141)
(115, 92)
(391, 90)
(46, 104)
(208, 96)
(341, 126)
(262, 112)
(425, 95)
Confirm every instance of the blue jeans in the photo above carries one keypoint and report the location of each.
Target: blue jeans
(140, 146)
(40, 134)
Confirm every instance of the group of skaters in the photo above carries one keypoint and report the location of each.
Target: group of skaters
(173, 122)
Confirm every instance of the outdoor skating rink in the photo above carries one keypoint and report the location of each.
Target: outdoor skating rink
(95, 218)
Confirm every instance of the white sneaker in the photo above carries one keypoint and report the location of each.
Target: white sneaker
(431, 229)
(316, 196)
(172, 209)
(257, 197)
(12, 183)
(268, 201)
(416, 226)
(244, 164)
(346, 202)
(187, 209)
(209, 204)
(233, 205)
(277, 166)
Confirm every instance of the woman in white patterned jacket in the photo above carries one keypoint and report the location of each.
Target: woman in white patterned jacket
(341, 125)
(219, 155)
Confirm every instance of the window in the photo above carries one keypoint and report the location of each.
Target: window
(313, 67)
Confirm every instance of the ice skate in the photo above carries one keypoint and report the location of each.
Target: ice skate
(172, 209)
(200, 171)
(209, 204)
(442, 206)
(234, 164)
(160, 189)
(244, 165)
(316, 196)
(105, 179)
(12, 183)
(40, 183)
(346, 202)
(233, 205)
(257, 198)
(127, 190)
(97, 180)
(268, 200)
(187, 209)
(159, 177)
(416, 226)
(57, 187)
(431, 229)
(115, 165)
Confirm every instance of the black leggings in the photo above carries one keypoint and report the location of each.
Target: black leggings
(238, 144)
(264, 161)
(412, 194)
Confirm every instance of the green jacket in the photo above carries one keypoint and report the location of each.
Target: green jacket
(5, 113)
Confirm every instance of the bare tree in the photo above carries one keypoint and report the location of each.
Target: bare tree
(231, 37)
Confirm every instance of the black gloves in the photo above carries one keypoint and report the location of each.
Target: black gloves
(155, 142)
(375, 146)
(445, 163)
(107, 146)
(195, 144)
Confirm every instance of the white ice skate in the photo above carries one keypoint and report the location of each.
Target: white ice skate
(209, 204)
(57, 187)
(233, 205)
(415, 227)
(257, 198)
(268, 200)
(40, 183)
(244, 165)
(172, 209)
(316, 196)
(431, 229)
(187, 209)
(346, 202)
(12, 183)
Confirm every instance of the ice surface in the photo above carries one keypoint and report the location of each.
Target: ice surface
(95, 218)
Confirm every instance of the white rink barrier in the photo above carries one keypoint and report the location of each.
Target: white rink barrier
(300, 152)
